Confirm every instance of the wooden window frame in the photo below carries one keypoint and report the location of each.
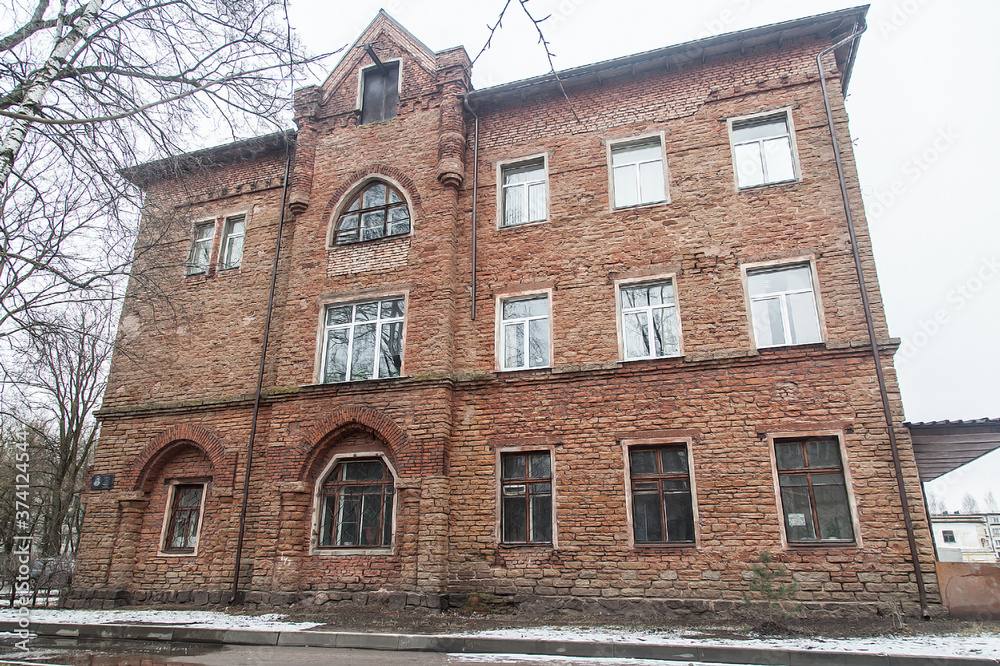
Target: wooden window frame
(526, 481)
(344, 237)
(170, 513)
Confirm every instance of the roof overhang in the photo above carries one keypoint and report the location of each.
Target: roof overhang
(942, 446)
(826, 26)
(172, 167)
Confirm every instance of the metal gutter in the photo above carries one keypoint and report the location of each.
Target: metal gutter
(876, 354)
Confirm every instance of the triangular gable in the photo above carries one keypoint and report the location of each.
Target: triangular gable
(382, 23)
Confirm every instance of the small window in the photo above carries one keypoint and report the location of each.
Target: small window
(813, 491)
(201, 248)
(996, 531)
(948, 536)
(523, 193)
(377, 211)
(526, 493)
(649, 321)
(783, 306)
(524, 333)
(363, 340)
(762, 150)
(380, 93)
(183, 520)
(637, 173)
(662, 508)
(357, 505)
(232, 242)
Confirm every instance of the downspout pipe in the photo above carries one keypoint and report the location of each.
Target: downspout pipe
(234, 598)
(876, 356)
(475, 200)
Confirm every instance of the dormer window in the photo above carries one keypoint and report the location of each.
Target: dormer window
(377, 211)
(380, 93)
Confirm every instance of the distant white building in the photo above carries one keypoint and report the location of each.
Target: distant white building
(967, 537)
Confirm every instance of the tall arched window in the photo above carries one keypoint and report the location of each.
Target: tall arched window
(377, 211)
(357, 505)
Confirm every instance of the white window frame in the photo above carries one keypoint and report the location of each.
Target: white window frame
(623, 144)
(848, 484)
(498, 532)
(500, 344)
(165, 528)
(752, 119)
(688, 442)
(747, 270)
(317, 512)
(511, 165)
(620, 309)
(191, 267)
(359, 300)
(227, 241)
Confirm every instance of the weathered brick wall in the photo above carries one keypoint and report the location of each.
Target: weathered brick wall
(440, 424)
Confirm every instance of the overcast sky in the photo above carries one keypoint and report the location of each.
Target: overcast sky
(922, 105)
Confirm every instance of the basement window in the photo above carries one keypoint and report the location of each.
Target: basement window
(380, 93)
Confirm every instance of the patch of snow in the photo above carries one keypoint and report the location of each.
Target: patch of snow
(200, 619)
(569, 661)
(965, 645)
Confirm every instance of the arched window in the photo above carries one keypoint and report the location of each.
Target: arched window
(357, 505)
(377, 211)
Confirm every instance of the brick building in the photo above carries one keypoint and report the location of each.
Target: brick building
(602, 350)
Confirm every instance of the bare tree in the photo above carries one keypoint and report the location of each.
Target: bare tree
(969, 504)
(90, 87)
(936, 504)
(60, 385)
(990, 502)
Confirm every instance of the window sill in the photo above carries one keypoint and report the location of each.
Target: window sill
(678, 357)
(524, 225)
(814, 545)
(764, 186)
(327, 551)
(547, 545)
(178, 553)
(372, 241)
(639, 206)
(510, 370)
(654, 547)
(356, 382)
(815, 343)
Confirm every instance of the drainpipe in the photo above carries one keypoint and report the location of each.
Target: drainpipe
(887, 411)
(475, 199)
(260, 374)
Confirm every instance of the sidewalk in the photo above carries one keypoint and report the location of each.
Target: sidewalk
(597, 648)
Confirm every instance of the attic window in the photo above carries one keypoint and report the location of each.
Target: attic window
(380, 93)
(377, 211)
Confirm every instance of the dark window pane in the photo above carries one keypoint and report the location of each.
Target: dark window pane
(647, 521)
(674, 460)
(540, 465)
(336, 356)
(789, 455)
(363, 352)
(391, 350)
(823, 453)
(833, 513)
(541, 518)
(798, 513)
(374, 195)
(680, 517)
(643, 461)
(381, 94)
(514, 520)
(513, 466)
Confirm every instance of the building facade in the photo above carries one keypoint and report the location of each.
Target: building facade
(601, 348)
(967, 537)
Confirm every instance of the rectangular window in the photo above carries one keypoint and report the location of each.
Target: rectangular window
(762, 150)
(524, 333)
(523, 193)
(783, 306)
(996, 531)
(185, 510)
(380, 93)
(813, 490)
(662, 509)
(948, 536)
(232, 242)
(526, 497)
(649, 323)
(363, 340)
(637, 173)
(201, 248)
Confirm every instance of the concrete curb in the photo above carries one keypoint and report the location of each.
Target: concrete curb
(723, 654)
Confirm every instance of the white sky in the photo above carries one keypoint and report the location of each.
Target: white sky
(922, 105)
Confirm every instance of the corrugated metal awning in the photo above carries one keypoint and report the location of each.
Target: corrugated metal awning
(942, 446)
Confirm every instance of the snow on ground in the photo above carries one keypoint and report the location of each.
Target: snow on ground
(200, 619)
(570, 661)
(966, 645)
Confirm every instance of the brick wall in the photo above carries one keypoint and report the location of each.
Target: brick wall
(187, 359)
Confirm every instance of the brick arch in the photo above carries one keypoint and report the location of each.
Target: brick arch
(316, 443)
(162, 447)
(367, 173)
